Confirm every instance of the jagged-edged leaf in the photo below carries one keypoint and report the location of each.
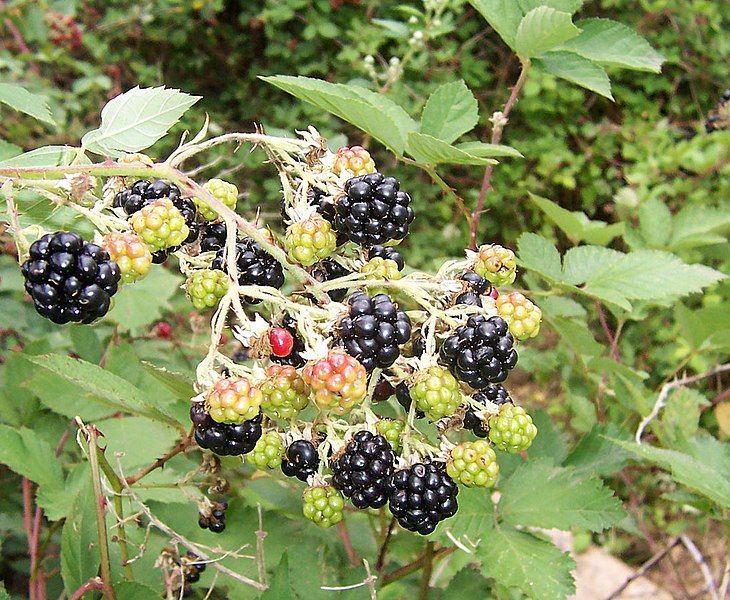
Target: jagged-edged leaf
(474, 517)
(577, 70)
(373, 113)
(482, 149)
(611, 43)
(47, 156)
(538, 254)
(179, 384)
(569, 6)
(136, 119)
(540, 494)
(542, 29)
(695, 226)
(581, 262)
(428, 150)
(20, 99)
(576, 225)
(597, 453)
(503, 15)
(450, 111)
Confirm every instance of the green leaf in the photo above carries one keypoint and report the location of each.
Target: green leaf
(137, 439)
(8, 150)
(569, 6)
(577, 70)
(611, 43)
(705, 467)
(373, 113)
(481, 149)
(47, 156)
(22, 100)
(518, 559)
(134, 590)
(179, 384)
(428, 150)
(575, 224)
(154, 293)
(450, 111)
(538, 254)
(474, 517)
(655, 222)
(503, 15)
(104, 387)
(681, 415)
(136, 119)
(581, 262)
(396, 29)
(540, 494)
(596, 453)
(467, 583)
(79, 541)
(577, 336)
(695, 226)
(280, 587)
(542, 29)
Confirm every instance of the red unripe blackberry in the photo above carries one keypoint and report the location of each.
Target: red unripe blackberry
(163, 330)
(224, 439)
(282, 342)
(422, 496)
(69, 279)
(255, 266)
(373, 210)
(480, 352)
(300, 460)
(294, 357)
(363, 470)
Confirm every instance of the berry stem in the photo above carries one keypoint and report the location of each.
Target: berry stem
(347, 543)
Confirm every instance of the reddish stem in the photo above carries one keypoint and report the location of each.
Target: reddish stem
(92, 584)
(347, 543)
(182, 445)
(18, 37)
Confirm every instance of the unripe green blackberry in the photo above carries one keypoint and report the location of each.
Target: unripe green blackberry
(323, 504)
(206, 287)
(310, 241)
(391, 430)
(285, 392)
(268, 452)
(512, 429)
(381, 268)
(225, 192)
(130, 253)
(473, 464)
(436, 392)
(497, 264)
(522, 316)
(160, 225)
(233, 400)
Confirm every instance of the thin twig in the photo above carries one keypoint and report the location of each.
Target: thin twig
(380, 562)
(260, 537)
(181, 446)
(92, 584)
(668, 387)
(347, 543)
(644, 568)
(405, 570)
(702, 564)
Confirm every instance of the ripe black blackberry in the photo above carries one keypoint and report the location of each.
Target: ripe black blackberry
(480, 352)
(387, 253)
(212, 237)
(144, 192)
(294, 358)
(374, 329)
(70, 279)
(224, 439)
(363, 471)
(476, 287)
(215, 518)
(300, 460)
(494, 392)
(422, 496)
(329, 269)
(255, 266)
(191, 567)
(403, 395)
(373, 210)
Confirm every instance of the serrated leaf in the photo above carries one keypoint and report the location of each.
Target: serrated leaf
(47, 156)
(22, 100)
(79, 541)
(542, 29)
(578, 337)
(136, 119)
(695, 226)
(105, 387)
(428, 150)
(577, 70)
(474, 517)
(655, 221)
(537, 254)
(611, 43)
(575, 224)
(373, 113)
(518, 559)
(569, 6)
(581, 262)
(450, 111)
(137, 439)
(134, 590)
(681, 415)
(179, 384)
(467, 583)
(597, 453)
(540, 494)
(154, 293)
(280, 587)
(482, 149)
(503, 15)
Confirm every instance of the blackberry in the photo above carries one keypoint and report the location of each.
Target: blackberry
(327, 270)
(143, 192)
(480, 352)
(300, 460)
(403, 395)
(476, 287)
(224, 439)
(191, 567)
(294, 358)
(373, 330)
(255, 266)
(387, 253)
(212, 237)
(373, 211)
(495, 393)
(70, 279)
(422, 496)
(383, 390)
(363, 470)
(215, 518)
(317, 197)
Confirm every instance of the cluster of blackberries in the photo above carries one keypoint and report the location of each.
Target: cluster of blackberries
(191, 567)
(144, 192)
(374, 329)
(69, 279)
(255, 266)
(373, 210)
(225, 439)
(215, 518)
(363, 471)
(212, 237)
(480, 352)
(301, 460)
(495, 393)
(327, 270)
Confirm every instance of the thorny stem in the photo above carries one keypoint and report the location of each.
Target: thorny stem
(92, 584)
(499, 120)
(181, 446)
